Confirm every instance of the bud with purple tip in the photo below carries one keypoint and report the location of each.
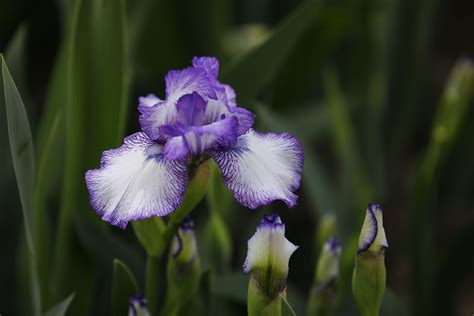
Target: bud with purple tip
(323, 295)
(267, 262)
(368, 280)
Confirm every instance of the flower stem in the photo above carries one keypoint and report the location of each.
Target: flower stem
(153, 265)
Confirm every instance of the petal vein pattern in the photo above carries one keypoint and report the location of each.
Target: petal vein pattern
(262, 167)
(135, 182)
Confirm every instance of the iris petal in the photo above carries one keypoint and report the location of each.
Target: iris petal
(201, 138)
(178, 84)
(261, 168)
(209, 64)
(135, 182)
(148, 101)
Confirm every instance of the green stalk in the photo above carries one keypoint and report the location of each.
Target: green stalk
(153, 265)
(156, 239)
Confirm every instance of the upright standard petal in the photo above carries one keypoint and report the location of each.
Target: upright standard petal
(135, 182)
(178, 84)
(208, 64)
(188, 80)
(148, 101)
(261, 168)
(225, 102)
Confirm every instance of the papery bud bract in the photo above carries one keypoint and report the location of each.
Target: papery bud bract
(137, 306)
(368, 280)
(267, 261)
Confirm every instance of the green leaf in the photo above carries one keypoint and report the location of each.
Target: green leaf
(95, 113)
(231, 286)
(195, 191)
(310, 121)
(124, 285)
(346, 145)
(149, 232)
(412, 29)
(218, 195)
(46, 164)
(104, 247)
(315, 183)
(391, 305)
(54, 108)
(454, 104)
(254, 70)
(61, 308)
(15, 56)
(21, 145)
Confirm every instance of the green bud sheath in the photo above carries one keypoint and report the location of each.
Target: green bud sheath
(183, 270)
(368, 282)
(149, 232)
(322, 300)
(368, 279)
(259, 303)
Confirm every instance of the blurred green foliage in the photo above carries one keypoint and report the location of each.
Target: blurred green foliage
(363, 84)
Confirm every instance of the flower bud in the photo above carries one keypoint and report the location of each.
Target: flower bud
(137, 306)
(323, 296)
(328, 263)
(183, 269)
(368, 280)
(267, 261)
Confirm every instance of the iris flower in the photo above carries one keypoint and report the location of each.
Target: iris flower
(197, 120)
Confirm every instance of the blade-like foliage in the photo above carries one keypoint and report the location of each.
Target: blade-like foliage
(252, 71)
(95, 111)
(21, 145)
(124, 285)
(61, 308)
(454, 104)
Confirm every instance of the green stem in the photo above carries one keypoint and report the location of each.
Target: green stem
(153, 265)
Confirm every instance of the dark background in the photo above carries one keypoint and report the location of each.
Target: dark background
(425, 39)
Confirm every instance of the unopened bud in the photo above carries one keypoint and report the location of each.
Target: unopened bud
(368, 280)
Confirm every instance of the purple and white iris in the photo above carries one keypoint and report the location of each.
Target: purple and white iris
(199, 119)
